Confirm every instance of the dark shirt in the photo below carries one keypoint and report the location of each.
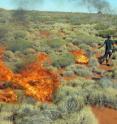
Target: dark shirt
(108, 45)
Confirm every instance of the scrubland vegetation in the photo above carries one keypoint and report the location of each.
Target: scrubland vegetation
(57, 34)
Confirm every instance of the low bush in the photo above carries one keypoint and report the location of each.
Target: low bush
(85, 47)
(68, 73)
(9, 107)
(104, 33)
(93, 62)
(86, 39)
(101, 26)
(52, 113)
(9, 56)
(71, 104)
(20, 35)
(103, 97)
(80, 83)
(114, 55)
(18, 45)
(62, 60)
(83, 71)
(56, 43)
(64, 92)
(41, 46)
(3, 32)
(105, 83)
(114, 74)
(85, 116)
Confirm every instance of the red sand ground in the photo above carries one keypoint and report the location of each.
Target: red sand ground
(105, 115)
(45, 34)
(105, 67)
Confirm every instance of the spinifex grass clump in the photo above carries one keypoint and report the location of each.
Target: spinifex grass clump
(85, 116)
(62, 60)
(56, 43)
(71, 104)
(103, 97)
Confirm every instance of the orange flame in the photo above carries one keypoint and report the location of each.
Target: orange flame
(35, 79)
(80, 57)
(8, 96)
(5, 73)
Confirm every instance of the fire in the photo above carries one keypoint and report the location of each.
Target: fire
(8, 96)
(5, 73)
(37, 81)
(80, 57)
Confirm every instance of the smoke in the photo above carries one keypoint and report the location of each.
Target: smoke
(26, 4)
(20, 14)
(97, 5)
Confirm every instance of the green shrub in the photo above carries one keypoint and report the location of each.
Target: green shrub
(83, 71)
(85, 116)
(101, 26)
(93, 62)
(103, 97)
(84, 47)
(41, 46)
(29, 51)
(81, 82)
(43, 114)
(105, 83)
(114, 55)
(87, 39)
(64, 92)
(106, 32)
(114, 70)
(18, 45)
(114, 73)
(3, 32)
(68, 73)
(56, 43)
(71, 104)
(20, 35)
(62, 60)
(9, 107)
(52, 112)
(9, 56)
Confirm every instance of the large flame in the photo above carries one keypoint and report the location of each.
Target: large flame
(37, 81)
(80, 57)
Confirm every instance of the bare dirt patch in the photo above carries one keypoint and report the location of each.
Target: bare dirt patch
(105, 115)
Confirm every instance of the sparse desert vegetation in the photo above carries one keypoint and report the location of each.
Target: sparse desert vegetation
(81, 85)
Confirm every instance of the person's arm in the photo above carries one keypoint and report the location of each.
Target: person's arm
(102, 45)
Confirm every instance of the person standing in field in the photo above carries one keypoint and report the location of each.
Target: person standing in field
(109, 47)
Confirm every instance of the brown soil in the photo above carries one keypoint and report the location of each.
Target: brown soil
(70, 78)
(105, 67)
(105, 115)
(45, 34)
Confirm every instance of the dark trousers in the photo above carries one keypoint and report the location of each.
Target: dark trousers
(106, 56)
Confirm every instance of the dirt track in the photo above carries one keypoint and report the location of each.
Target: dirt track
(105, 115)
